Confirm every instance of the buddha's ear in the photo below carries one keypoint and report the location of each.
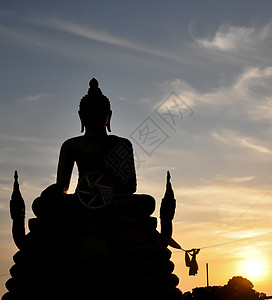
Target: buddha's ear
(109, 119)
(81, 121)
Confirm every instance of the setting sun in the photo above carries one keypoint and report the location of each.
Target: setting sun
(253, 268)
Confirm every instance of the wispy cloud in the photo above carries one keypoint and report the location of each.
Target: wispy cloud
(222, 178)
(262, 110)
(231, 211)
(254, 80)
(238, 44)
(33, 98)
(86, 32)
(82, 31)
(249, 94)
(232, 138)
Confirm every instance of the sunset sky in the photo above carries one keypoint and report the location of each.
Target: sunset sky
(194, 76)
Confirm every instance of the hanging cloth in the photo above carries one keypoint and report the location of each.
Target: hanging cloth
(187, 259)
(191, 263)
(194, 266)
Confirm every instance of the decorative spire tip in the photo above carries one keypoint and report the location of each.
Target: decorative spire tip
(168, 176)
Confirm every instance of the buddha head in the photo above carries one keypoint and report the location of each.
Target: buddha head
(94, 109)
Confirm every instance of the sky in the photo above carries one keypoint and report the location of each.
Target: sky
(189, 84)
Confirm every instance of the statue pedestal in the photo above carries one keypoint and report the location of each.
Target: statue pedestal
(73, 252)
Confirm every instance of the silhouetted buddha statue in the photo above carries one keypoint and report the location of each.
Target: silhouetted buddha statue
(96, 151)
(110, 249)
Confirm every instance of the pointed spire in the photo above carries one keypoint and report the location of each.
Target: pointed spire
(168, 204)
(16, 176)
(169, 193)
(16, 189)
(17, 204)
(17, 213)
(167, 212)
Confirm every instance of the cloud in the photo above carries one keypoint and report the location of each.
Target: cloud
(86, 32)
(122, 98)
(232, 138)
(221, 178)
(205, 210)
(221, 214)
(228, 38)
(248, 96)
(102, 36)
(35, 37)
(238, 44)
(254, 82)
(224, 203)
(247, 233)
(33, 98)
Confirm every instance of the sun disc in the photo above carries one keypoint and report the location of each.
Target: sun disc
(253, 268)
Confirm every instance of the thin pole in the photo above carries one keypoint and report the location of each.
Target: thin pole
(207, 272)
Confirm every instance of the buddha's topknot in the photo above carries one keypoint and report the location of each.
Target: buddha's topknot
(94, 98)
(94, 87)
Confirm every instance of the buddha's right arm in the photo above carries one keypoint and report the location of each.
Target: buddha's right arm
(65, 166)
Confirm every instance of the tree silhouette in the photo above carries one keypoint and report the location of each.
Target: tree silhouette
(238, 287)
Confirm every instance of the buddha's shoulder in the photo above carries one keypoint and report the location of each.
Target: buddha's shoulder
(119, 140)
(72, 141)
(81, 140)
